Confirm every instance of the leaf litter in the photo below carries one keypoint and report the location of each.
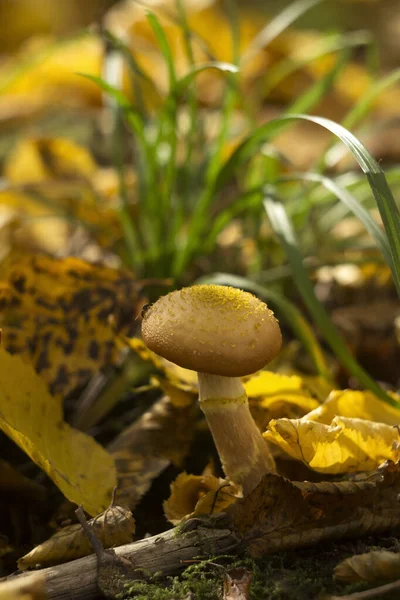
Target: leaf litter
(114, 527)
(70, 320)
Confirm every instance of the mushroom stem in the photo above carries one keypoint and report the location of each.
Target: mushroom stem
(244, 453)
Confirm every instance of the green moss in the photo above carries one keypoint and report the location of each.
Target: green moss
(304, 574)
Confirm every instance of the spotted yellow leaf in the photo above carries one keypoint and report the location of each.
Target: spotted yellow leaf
(33, 419)
(346, 445)
(64, 316)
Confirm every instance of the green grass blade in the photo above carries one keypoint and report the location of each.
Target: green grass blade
(320, 88)
(384, 198)
(277, 25)
(288, 311)
(286, 67)
(164, 46)
(353, 205)
(135, 118)
(245, 203)
(183, 83)
(283, 228)
(361, 110)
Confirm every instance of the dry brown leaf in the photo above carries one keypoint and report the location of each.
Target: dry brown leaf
(237, 584)
(32, 587)
(64, 316)
(193, 495)
(371, 566)
(114, 527)
(345, 446)
(280, 515)
(160, 437)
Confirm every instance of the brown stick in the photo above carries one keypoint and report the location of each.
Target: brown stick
(163, 553)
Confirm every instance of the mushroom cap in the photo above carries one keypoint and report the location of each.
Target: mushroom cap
(213, 329)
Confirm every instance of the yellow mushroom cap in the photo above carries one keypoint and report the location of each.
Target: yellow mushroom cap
(213, 329)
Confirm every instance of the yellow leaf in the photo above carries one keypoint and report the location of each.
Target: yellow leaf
(81, 468)
(40, 159)
(32, 587)
(347, 445)
(273, 391)
(361, 405)
(183, 379)
(64, 316)
(269, 383)
(44, 74)
(193, 495)
(114, 527)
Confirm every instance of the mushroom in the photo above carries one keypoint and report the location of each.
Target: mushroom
(222, 333)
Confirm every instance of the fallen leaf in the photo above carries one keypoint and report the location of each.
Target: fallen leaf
(32, 587)
(355, 404)
(182, 379)
(194, 495)
(279, 515)
(44, 73)
(345, 446)
(267, 391)
(59, 179)
(33, 419)
(237, 584)
(114, 527)
(162, 436)
(64, 316)
(273, 395)
(371, 566)
(40, 159)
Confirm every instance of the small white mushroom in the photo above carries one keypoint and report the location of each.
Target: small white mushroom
(222, 333)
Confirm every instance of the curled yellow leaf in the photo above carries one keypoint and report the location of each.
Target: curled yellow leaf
(193, 495)
(356, 404)
(346, 445)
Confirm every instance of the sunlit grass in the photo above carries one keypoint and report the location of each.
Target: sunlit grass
(191, 187)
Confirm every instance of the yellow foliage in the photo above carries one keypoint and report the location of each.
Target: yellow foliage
(44, 74)
(65, 315)
(273, 390)
(33, 419)
(267, 391)
(32, 587)
(193, 495)
(361, 405)
(346, 445)
(56, 177)
(38, 159)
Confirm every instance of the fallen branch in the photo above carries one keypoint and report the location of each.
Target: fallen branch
(162, 554)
